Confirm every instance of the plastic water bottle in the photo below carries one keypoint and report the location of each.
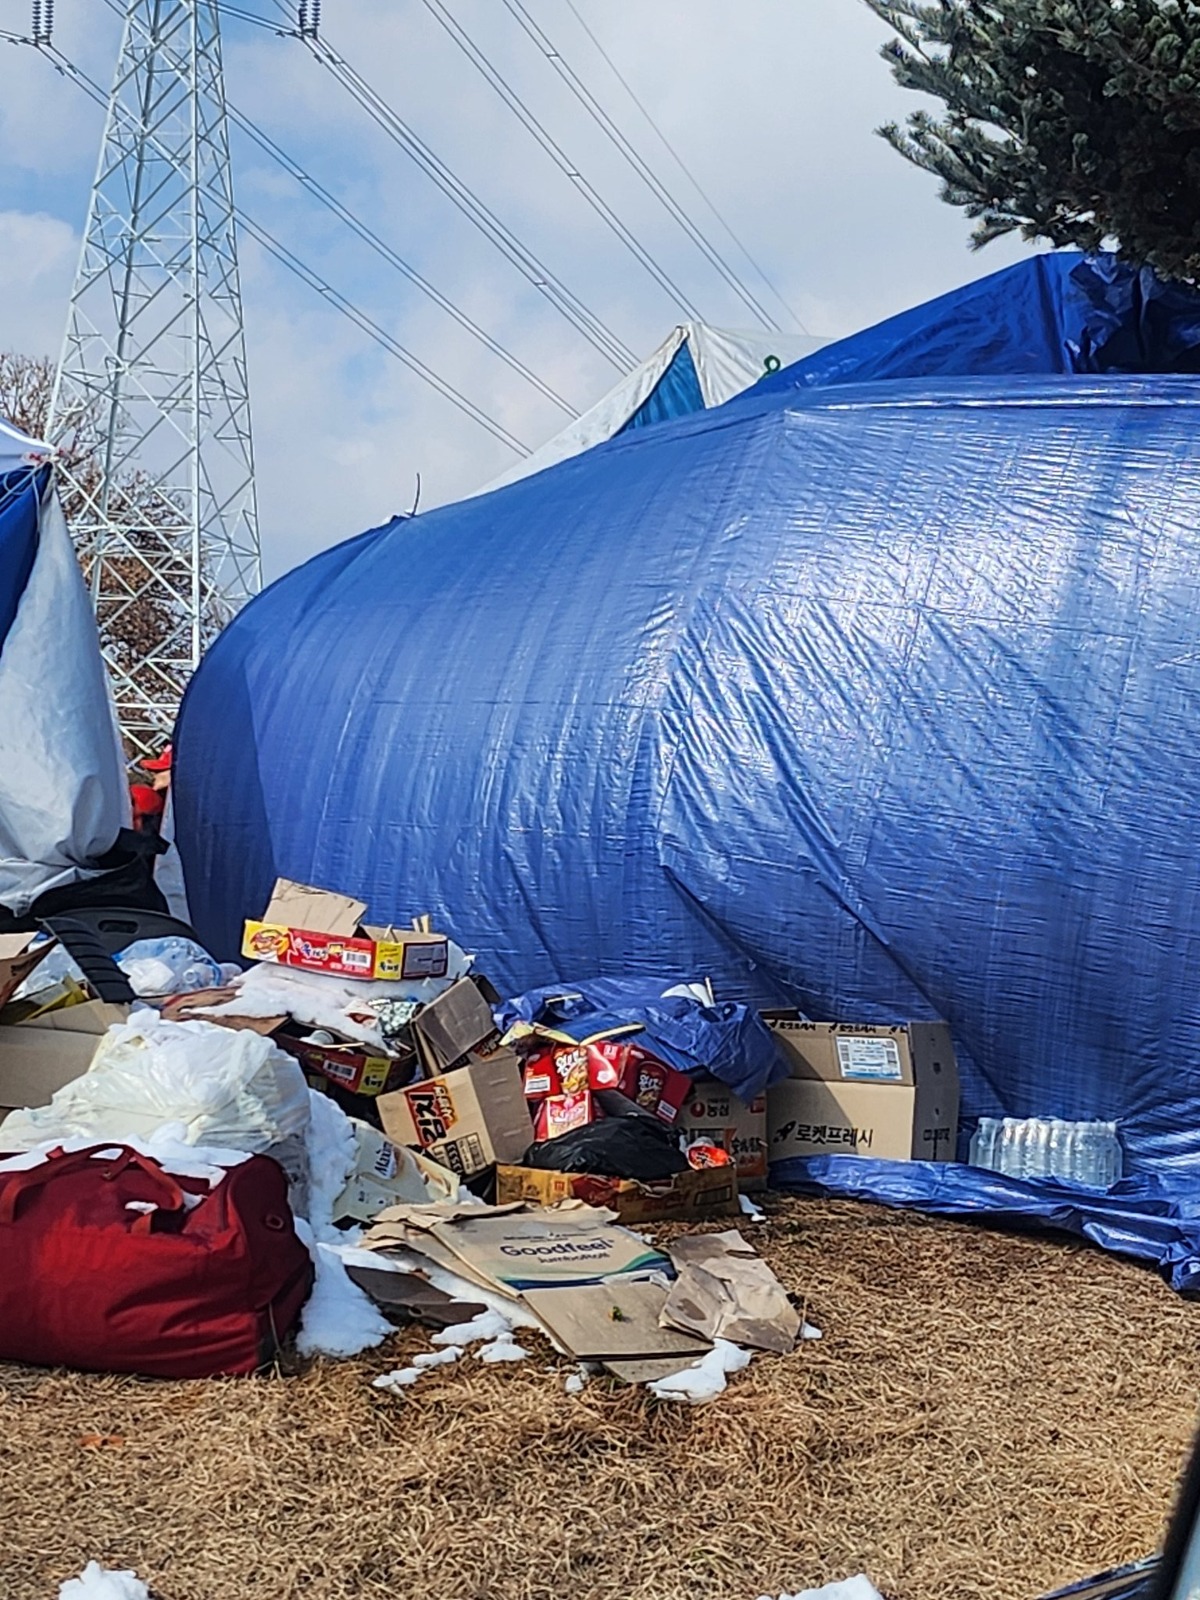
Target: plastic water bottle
(1087, 1154)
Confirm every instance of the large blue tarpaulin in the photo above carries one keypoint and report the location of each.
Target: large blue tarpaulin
(875, 691)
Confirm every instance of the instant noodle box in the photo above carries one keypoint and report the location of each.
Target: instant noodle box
(318, 931)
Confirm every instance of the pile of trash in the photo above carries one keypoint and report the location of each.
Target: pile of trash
(356, 1132)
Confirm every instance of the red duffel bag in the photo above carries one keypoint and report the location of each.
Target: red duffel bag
(111, 1264)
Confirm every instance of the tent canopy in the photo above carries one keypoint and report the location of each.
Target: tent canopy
(694, 368)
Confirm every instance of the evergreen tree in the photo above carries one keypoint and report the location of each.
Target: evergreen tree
(1075, 121)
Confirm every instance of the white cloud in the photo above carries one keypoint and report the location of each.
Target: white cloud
(38, 254)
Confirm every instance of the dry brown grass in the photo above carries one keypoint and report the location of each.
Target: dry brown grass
(985, 1416)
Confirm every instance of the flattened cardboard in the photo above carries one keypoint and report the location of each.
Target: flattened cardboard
(299, 905)
(725, 1290)
(888, 1091)
(450, 1027)
(38, 1058)
(687, 1197)
(467, 1120)
(714, 1112)
(515, 1251)
(406, 1297)
(613, 1322)
(17, 960)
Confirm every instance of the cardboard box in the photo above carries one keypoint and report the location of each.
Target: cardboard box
(713, 1112)
(322, 932)
(564, 1113)
(37, 1058)
(888, 1091)
(352, 1067)
(467, 1120)
(17, 960)
(687, 1197)
(450, 1028)
(386, 1174)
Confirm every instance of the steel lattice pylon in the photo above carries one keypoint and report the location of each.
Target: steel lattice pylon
(151, 405)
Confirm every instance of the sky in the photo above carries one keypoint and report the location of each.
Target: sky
(770, 104)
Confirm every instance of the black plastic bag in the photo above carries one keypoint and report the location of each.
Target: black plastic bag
(618, 1147)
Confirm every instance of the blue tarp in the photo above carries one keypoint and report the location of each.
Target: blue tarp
(880, 698)
(730, 1041)
(20, 496)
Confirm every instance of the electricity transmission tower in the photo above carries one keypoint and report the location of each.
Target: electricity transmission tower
(151, 404)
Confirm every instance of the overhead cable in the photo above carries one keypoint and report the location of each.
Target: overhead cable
(560, 65)
(598, 334)
(559, 156)
(381, 248)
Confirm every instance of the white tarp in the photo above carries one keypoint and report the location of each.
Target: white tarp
(726, 365)
(63, 791)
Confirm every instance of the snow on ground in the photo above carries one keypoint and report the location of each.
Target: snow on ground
(705, 1379)
(98, 1583)
(850, 1589)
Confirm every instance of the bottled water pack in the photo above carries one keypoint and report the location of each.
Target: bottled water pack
(1084, 1153)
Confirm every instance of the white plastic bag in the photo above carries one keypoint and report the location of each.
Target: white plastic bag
(192, 1081)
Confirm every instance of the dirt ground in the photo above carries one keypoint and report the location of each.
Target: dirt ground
(986, 1416)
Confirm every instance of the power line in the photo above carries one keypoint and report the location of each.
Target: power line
(601, 117)
(680, 162)
(559, 156)
(333, 297)
(348, 309)
(598, 334)
(319, 192)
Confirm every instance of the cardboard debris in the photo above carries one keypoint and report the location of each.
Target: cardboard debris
(713, 1112)
(725, 1290)
(613, 1322)
(17, 960)
(868, 1089)
(692, 1196)
(38, 1058)
(516, 1249)
(352, 1066)
(386, 1174)
(407, 1297)
(466, 1120)
(449, 1028)
(323, 932)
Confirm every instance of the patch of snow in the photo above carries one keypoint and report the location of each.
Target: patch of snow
(576, 1383)
(332, 1152)
(807, 1331)
(750, 1210)
(704, 1379)
(401, 1378)
(439, 1358)
(504, 1349)
(858, 1588)
(103, 1583)
(488, 1325)
(338, 1318)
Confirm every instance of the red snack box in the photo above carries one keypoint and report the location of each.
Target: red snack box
(654, 1086)
(570, 1069)
(563, 1113)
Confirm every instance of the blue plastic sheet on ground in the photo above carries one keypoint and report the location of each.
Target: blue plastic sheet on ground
(880, 699)
(728, 1040)
(1147, 1218)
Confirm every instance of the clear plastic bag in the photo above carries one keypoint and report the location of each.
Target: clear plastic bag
(169, 966)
